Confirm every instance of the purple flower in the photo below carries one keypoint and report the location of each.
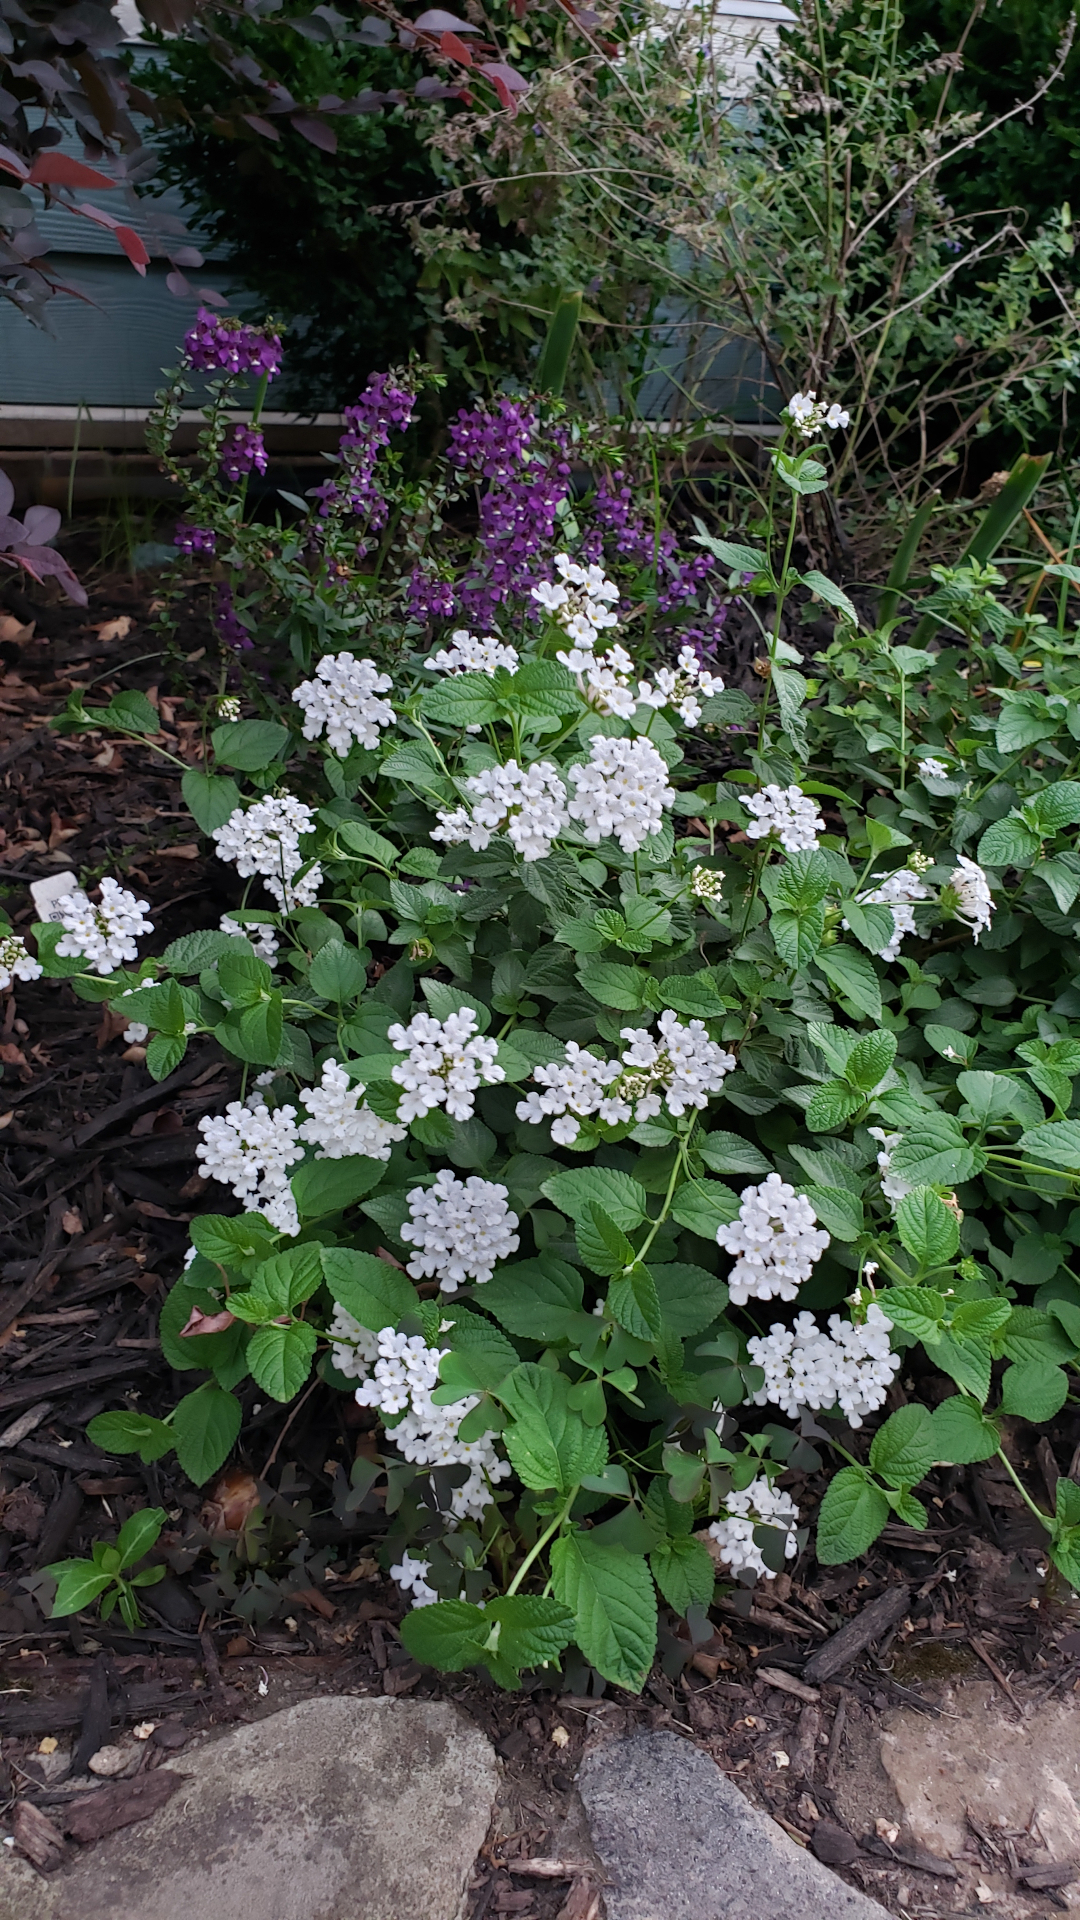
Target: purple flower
(242, 451)
(381, 407)
(635, 537)
(683, 581)
(231, 345)
(191, 539)
(704, 640)
(231, 630)
(492, 441)
(429, 598)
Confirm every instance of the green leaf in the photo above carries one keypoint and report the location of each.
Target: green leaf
(690, 1299)
(611, 1595)
(130, 712)
(934, 1153)
(479, 1361)
(870, 922)
(549, 1445)
(449, 1635)
(1058, 1142)
(375, 1293)
(362, 839)
(251, 745)
(537, 1299)
(138, 1534)
(164, 1053)
(632, 1301)
(337, 972)
(206, 1424)
(194, 952)
(229, 1239)
(917, 1310)
(329, 1186)
(852, 1515)
(903, 1450)
(1008, 843)
(833, 596)
(613, 986)
(963, 1434)
(992, 1097)
(253, 1033)
(1057, 806)
(290, 1277)
(209, 797)
(464, 700)
(853, 975)
(927, 1227)
(838, 1210)
(797, 935)
(280, 1358)
(78, 1585)
(869, 1060)
(684, 1573)
(967, 1361)
(533, 1629)
(704, 1206)
(210, 1350)
(730, 1153)
(953, 1044)
(578, 1191)
(832, 1105)
(731, 554)
(695, 994)
(1034, 1391)
(130, 1433)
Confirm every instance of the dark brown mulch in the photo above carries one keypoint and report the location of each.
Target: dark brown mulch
(98, 1183)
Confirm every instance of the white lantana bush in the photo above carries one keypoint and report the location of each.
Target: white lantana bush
(644, 1089)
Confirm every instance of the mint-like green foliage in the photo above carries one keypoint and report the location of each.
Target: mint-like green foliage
(912, 1077)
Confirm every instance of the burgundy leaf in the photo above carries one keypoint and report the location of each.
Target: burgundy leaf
(497, 71)
(455, 49)
(259, 125)
(7, 496)
(40, 561)
(60, 170)
(42, 525)
(12, 164)
(178, 285)
(316, 131)
(134, 248)
(435, 21)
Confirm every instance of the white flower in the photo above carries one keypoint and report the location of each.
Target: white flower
(684, 1062)
(343, 700)
(104, 934)
(808, 414)
(606, 683)
(402, 1380)
(776, 1242)
(250, 1149)
(15, 962)
(262, 937)
(227, 706)
(471, 655)
(897, 891)
(786, 811)
(892, 1185)
(759, 1504)
(850, 1366)
(974, 901)
(581, 605)
(575, 1085)
(411, 1576)
(528, 804)
(622, 791)
(931, 769)
(683, 689)
(265, 839)
(447, 1060)
(135, 1033)
(460, 1229)
(706, 884)
(353, 1349)
(342, 1123)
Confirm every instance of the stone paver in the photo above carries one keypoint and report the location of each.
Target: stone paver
(337, 1809)
(680, 1842)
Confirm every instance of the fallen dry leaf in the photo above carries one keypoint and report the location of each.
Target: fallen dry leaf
(72, 1221)
(231, 1504)
(200, 1322)
(189, 851)
(117, 629)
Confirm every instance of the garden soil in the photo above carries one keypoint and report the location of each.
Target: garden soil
(831, 1698)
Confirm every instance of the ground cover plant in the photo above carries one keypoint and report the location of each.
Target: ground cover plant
(648, 1088)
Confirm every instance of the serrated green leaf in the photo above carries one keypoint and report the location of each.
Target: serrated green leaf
(902, 1450)
(684, 1573)
(548, 1443)
(1034, 1391)
(206, 1424)
(703, 1206)
(853, 975)
(375, 1293)
(963, 1434)
(538, 1299)
(623, 1199)
(611, 1595)
(927, 1227)
(280, 1358)
(852, 1515)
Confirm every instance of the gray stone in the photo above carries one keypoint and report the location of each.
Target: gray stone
(680, 1842)
(337, 1809)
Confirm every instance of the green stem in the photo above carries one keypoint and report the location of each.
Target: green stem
(680, 1163)
(1023, 1492)
(535, 1552)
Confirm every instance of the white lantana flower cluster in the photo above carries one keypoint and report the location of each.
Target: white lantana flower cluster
(974, 901)
(893, 1185)
(776, 1242)
(460, 1229)
(402, 1381)
(706, 884)
(528, 804)
(343, 700)
(683, 687)
(758, 1505)
(898, 891)
(605, 682)
(787, 812)
(468, 654)
(262, 938)
(411, 1575)
(622, 791)
(353, 1349)
(250, 1148)
(15, 962)
(851, 1366)
(106, 933)
(931, 769)
(808, 414)
(680, 1068)
(265, 839)
(446, 1062)
(342, 1123)
(581, 601)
